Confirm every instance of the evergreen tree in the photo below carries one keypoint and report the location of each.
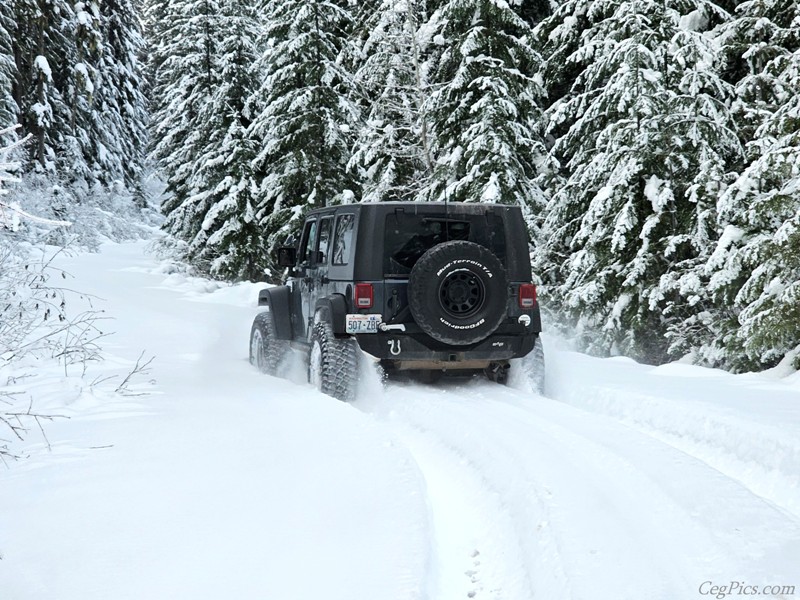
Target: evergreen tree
(485, 109)
(644, 140)
(534, 11)
(760, 31)
(307, 119)
(80, 159)
(755, 270)
(78, 90)
(8, 72)
(392, 155)
(57, 61)
(155, 18)
(184, 82)
(229, 243)
(43, 47)
(705, 133)
(120, 105)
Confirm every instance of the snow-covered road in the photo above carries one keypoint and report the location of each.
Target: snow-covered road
(631, 482)
(563, 503)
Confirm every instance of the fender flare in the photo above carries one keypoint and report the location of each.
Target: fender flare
(334, 309)
(277, 301)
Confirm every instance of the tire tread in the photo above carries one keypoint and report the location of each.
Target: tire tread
(272, 348)
(339, 368)
(425, 271)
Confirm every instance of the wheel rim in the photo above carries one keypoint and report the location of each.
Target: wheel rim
(257, 350)
(315, 366)
(462, 293)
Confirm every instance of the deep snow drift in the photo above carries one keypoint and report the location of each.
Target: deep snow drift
(210, 480)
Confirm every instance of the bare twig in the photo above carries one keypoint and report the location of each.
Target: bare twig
(15, 422)
(140, 368)
(99, 379)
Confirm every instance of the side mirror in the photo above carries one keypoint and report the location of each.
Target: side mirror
(287, 256)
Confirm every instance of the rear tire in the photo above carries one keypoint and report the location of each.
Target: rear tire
(266, 350)
(333, 363)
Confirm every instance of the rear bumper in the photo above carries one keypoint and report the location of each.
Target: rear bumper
(417, 350)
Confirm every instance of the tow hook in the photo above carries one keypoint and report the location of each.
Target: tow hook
(525, 320)
(394, 347)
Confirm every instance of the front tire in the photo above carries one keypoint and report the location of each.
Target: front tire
(333, 363)
(266, 350)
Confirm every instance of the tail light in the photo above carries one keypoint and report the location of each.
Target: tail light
(527, 295)
(364, 296)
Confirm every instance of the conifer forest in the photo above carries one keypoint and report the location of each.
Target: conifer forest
(653, 145)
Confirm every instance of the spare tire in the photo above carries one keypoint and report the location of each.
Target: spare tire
(458, 292)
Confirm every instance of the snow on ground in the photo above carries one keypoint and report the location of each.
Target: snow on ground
(628, 482)
(745, 426)
(221, 483)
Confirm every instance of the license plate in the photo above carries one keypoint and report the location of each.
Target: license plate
(362, 323)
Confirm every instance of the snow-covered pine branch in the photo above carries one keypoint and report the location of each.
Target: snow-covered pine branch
(10, 212)
(7, 166)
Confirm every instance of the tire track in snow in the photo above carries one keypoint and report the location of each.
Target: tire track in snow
(476, 546)
(763, 458)
(574, 505)
(745, 426)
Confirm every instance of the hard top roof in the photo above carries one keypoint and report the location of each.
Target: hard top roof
(458, 207)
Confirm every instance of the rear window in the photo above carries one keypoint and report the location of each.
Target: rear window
(343, 238)
(408, 236)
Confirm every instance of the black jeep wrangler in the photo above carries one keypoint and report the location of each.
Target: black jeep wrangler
(425, 287)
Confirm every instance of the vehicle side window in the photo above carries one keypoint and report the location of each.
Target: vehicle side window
(324, 239)
(343, 238)
(307, 243)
